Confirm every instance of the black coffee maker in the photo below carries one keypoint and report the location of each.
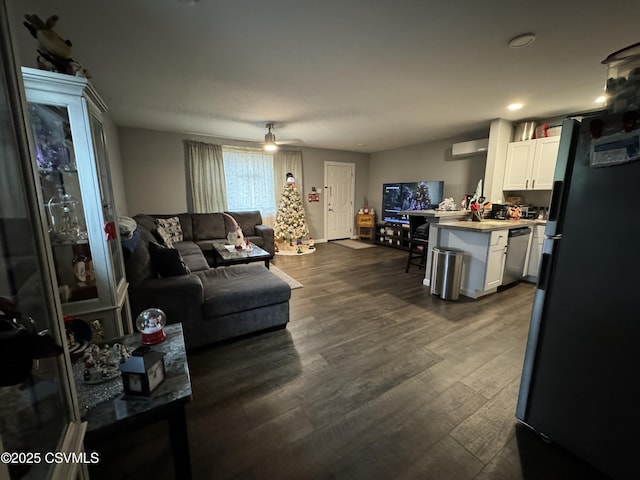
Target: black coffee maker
(498, 211)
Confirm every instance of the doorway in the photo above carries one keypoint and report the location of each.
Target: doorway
(339, 180)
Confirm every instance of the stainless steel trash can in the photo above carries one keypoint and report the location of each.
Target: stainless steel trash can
(446, 272)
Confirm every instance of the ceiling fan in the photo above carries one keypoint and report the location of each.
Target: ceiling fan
(270, 142)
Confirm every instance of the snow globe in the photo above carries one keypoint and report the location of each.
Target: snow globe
(150, 323)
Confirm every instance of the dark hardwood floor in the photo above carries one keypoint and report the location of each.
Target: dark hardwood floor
(372, 379)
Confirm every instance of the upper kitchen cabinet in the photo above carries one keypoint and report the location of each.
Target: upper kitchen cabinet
(531, 164)
(66, 119)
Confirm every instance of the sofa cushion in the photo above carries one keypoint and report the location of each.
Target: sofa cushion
(168, 261)
(240, 287)
(192, 256)
(208, 225)
(172, 227)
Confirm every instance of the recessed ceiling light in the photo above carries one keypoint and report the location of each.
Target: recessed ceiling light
(522, 40)
(601, 99)
(515, 106)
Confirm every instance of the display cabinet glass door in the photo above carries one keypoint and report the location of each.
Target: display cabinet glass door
(60, 185)
(38, 411)
(106, 196)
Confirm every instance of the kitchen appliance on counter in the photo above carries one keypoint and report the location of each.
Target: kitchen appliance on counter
(528, 212)
(579, 385)
(498, 211)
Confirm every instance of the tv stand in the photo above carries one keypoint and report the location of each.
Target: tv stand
(393, 235)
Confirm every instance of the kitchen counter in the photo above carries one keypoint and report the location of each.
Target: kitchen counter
(441, 214)
(488, 225)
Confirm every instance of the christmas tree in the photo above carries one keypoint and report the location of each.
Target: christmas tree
(291, 223)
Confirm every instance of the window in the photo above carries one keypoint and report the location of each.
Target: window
(249, 180)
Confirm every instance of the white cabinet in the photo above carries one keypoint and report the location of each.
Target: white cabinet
(535, 252)
(495, 259)
(531, 164)
(65, 116)
(483, 261)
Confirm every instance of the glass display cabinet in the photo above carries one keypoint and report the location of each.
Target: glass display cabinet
(39, 411)
(65, 117)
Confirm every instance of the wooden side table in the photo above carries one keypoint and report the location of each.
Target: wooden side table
(366, 223)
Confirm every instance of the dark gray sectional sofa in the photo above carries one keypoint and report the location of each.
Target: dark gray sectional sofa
(213, 304)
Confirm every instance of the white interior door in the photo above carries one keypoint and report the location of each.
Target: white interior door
(339, 190)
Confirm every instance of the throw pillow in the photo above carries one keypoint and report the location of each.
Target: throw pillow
(168, 261)
(172, 227)
(164, 237)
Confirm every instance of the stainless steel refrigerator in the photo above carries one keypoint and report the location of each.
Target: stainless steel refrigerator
(580, 384)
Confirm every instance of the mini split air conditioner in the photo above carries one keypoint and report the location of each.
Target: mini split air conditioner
(466, 149)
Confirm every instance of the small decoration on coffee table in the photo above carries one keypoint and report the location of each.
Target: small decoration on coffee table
(101, 363)
(151, 324)
(235, 237)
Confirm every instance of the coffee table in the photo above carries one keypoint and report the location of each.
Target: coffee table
(117, 415)
(223, 256)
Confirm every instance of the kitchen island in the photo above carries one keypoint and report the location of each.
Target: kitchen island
(488, 225)
(485, 246)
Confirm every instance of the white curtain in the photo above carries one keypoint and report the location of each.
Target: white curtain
(287, 161)
(250, 181)
(206, 168)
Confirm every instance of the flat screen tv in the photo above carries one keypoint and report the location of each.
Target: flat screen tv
(406, 196)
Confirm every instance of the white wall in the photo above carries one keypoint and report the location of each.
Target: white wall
(155, 174)
(426, 162)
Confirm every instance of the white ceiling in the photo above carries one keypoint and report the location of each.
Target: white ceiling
(359, 75)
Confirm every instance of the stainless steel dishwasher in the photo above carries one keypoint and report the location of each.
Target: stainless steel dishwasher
(517, 244)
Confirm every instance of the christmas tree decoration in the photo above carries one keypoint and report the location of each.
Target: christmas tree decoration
(290, 222)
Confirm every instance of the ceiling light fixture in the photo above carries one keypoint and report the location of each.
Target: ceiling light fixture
(522, 40)
(270, 139)
(515, 106)
(601, 99)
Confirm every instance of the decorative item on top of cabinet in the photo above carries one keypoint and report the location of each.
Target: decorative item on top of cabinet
(66, 119)
(366, 225)
(531, 164)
